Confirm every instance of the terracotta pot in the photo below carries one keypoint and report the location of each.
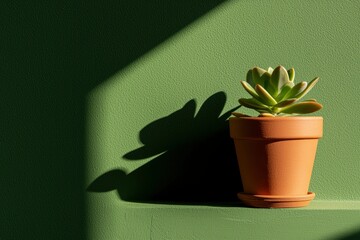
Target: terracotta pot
(276, 157)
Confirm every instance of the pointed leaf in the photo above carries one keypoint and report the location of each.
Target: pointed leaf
(264, 95)
(265, 78)
(252, 103)
(308, 88)
(257, 74)
(266, 115)
(296, 90)
(236, 114)
(291, 73)
(302, 108)
(279, 78)
(250, 90)
(270, 70)
(271, 89)
(286, 102)
(285, 89)
(249, 78)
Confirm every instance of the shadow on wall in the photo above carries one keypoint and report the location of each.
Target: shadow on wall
(53, 53)
(351, 236)
(197, 164)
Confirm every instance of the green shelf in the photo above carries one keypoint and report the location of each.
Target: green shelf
(320, 220)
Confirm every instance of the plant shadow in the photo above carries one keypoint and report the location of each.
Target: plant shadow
(197, 162)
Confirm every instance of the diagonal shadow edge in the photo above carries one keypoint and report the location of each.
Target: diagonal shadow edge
(54, 55)
(139, 27)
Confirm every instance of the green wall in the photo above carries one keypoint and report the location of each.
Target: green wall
(114, 117)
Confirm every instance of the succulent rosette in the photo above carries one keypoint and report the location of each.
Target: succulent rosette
(274, 93)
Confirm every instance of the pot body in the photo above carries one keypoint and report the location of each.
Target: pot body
(276, 155)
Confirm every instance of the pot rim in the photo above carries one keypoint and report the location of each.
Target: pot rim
(258, 128)
(278, 118)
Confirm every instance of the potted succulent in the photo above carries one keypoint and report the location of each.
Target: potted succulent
(276, 150)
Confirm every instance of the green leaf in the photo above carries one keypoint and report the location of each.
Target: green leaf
(291, 73)
(252, 103)
(236, 114)
(266, 79)
(264, 95)
(286, 102)
(302, 108)
(278, 79)
(296, 90)
(266, 115)
(308, 88)
(249, 78)
(250, 90)
(263, 111)
(285, 89)
(257, 74)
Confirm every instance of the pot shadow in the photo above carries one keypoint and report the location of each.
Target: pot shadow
(197, 162)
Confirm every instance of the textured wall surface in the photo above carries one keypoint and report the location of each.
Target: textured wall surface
(113, 117)
(213, 54)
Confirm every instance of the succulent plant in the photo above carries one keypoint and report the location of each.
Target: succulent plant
(274, 93)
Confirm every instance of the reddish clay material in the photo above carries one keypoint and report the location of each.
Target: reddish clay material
(276, 157)
(275, 201)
